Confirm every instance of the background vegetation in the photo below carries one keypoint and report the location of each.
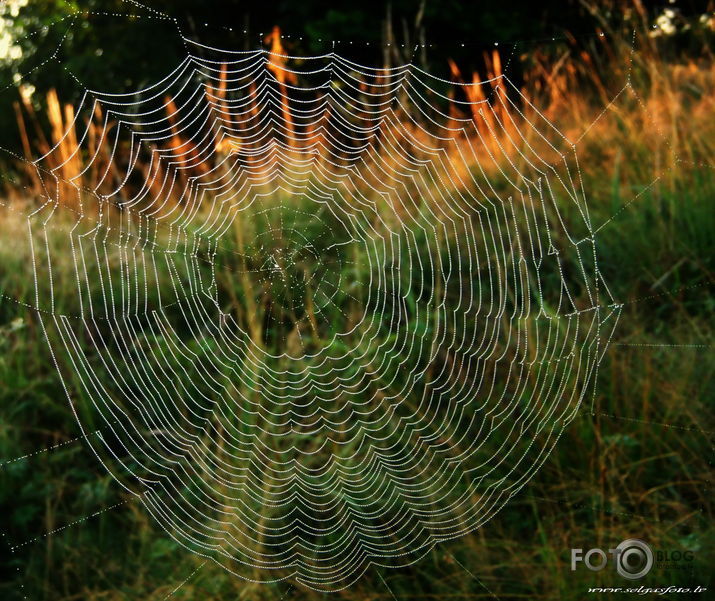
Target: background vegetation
(639, 465)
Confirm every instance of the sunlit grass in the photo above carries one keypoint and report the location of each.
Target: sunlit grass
(634, 466)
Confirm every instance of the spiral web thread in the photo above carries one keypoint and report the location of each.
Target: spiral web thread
(326, 316)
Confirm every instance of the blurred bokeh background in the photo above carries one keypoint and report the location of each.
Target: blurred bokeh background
(639, 465)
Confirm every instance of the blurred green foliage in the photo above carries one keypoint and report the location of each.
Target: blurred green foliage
(640, 466)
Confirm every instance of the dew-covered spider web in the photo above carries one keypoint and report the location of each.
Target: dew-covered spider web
(325, 315)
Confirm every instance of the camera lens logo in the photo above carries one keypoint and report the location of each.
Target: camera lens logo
(634, 558)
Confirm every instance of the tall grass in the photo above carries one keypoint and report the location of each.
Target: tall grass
(636, 464)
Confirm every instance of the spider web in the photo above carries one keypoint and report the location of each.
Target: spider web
(325, 315)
